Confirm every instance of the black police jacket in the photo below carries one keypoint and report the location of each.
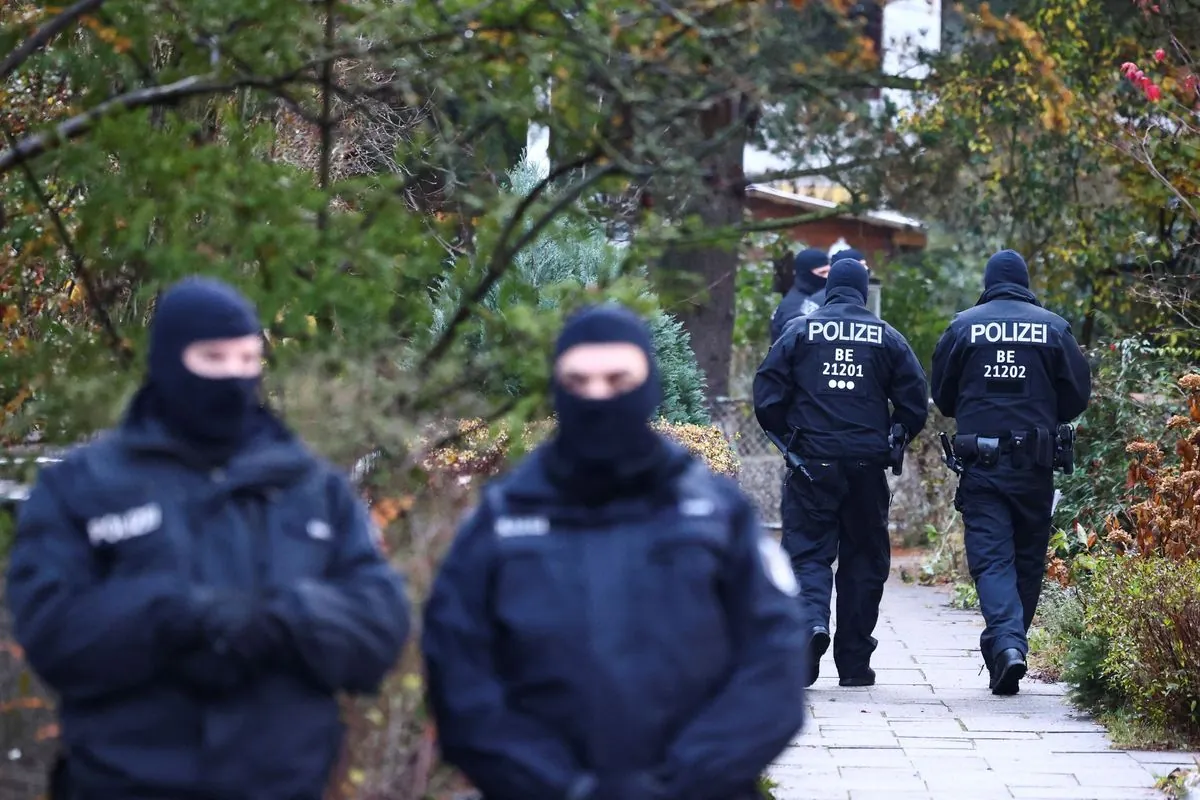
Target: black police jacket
(651, 643)
(1007, 364)
(830, 377)
(796, 303)
(108, 543)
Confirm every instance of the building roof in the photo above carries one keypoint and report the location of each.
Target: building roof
(882, 218)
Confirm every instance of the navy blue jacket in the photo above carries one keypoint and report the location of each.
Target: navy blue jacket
(108, 544)
(830, 377)
(642, 634)
(796, 303)
(1008, 364)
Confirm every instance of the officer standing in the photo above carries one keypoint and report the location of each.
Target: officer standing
(823, 391)
(807, 292)
(197, 586)
(612, 622)
(1012, 376)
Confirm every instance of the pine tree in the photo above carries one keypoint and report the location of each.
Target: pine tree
(574, 250)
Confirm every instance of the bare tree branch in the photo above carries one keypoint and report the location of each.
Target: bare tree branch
(503, 253)
(44, 34)
(81, 271)
(34, 145)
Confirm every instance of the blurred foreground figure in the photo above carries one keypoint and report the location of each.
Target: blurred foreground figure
(612, 623)
(1013, 377)
(197, 586)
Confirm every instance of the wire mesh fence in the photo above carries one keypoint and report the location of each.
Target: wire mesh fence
(763, 469)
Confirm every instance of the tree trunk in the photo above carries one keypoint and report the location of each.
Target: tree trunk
(707, 304)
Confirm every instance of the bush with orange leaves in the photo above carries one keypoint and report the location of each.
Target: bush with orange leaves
(1165, 520)
(481, 451)
(1135, 645)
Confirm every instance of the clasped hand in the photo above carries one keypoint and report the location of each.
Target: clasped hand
(234, 637)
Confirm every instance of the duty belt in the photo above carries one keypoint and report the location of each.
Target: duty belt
(1027, 449)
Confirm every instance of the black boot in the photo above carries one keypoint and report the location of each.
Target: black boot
(1007, 670)
(818, 643)
(864, 678)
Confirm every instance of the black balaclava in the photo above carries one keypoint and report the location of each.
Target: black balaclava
(613, 433)
(849, 252)
(204, 411)
(847, 273)
(1007, 266)
(804, 264)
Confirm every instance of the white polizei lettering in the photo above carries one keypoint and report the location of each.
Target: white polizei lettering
(522, 526)
(697, 507)
(1011, 331)
(113, 528)
(844, 330)
(318, 529)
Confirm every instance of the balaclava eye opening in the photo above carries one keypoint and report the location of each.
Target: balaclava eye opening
(1006, 266)
(804, 263)
(202, 410)
(848, 273)
(617, 429)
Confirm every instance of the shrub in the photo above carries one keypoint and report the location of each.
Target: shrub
(1148, 610)
(682, 380)
(1132, 394)
(1166, 521)
(482, 451)
(574, 250)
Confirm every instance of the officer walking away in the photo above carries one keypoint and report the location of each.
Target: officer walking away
(1013, 377)
(197, 586)
(806, 294)
(822, 394)
(612, 623)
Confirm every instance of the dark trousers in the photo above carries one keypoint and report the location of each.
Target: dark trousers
(841, 513)
(1006, 515)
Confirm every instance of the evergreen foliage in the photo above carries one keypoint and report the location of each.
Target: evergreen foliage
(573, 253)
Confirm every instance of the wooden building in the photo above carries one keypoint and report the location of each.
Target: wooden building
(878, 235)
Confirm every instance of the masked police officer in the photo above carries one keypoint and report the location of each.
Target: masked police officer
(197, 586)
(807, 292)
(612, 622)
(1011, 374)
(823, 391)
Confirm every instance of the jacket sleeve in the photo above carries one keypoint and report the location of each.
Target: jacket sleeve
(773, 387)
(944, 377)
(908, 391)
(85, 635)
(1074, 384)
(503, 752)
(749, 722)
(347, 629)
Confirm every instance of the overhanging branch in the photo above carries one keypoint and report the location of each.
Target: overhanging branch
(34, 145)
(44, 34)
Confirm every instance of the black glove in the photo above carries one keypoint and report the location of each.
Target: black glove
(243, 628)
(643, 785)
(210, 674)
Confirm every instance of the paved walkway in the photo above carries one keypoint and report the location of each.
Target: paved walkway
(930, 728)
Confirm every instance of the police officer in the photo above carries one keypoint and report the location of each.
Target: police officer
(1010, 373)
(612, 622)
(197, 586)
(807, 292)
(823, 391)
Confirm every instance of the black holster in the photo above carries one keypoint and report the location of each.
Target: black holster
(1032, 448)
(1064, 449)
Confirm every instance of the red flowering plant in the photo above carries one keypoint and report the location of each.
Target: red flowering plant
(1164, 134)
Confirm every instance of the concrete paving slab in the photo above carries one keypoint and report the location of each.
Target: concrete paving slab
(930, 729)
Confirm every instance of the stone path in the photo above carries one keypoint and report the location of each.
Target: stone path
(930, 729)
